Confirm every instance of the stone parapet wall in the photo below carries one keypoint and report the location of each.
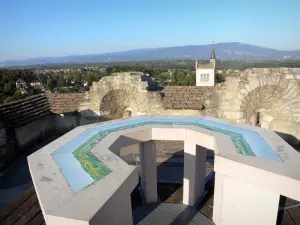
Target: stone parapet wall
(277, 90)
(64, 102)
(129, 85)
(274, 93)
(186, 97)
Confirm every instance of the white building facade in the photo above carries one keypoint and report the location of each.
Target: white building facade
(205, 73)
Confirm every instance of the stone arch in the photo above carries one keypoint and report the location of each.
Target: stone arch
(127, 89)
(270, 95)
(114, 103)
(127, 112)
(261, 99)
(274, 95)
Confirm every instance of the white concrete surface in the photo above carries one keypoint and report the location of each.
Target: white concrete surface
(148, 170)
(194, 172)
(241, 181)
(236, 202)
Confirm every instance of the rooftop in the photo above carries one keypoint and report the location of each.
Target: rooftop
(91, 154)
(205, 66)
(25, 110)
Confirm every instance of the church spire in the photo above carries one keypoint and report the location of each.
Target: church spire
(213, 54)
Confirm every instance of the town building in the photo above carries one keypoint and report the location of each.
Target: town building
(205, 73)
(20, 84)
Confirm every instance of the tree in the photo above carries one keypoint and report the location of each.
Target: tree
(8, 88)
(49, 84)
(77, 78)
(69, 77)
(61, 82)
(16, 96)
(220, 77)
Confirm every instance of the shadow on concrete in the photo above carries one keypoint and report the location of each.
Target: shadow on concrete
(282, 202)
(121, 142)
(16, 179)
(171, 170)
(185, 217)
(290, 139)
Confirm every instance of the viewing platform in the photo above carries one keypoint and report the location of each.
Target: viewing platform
(81, 179)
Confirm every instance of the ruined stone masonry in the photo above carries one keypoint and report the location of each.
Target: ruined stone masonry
(120, 92)
(267, 97)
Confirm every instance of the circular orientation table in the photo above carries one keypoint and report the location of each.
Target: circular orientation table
(80, 178)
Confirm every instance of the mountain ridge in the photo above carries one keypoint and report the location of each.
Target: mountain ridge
(224, 51)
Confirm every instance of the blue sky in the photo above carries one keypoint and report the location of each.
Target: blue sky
(36, 28)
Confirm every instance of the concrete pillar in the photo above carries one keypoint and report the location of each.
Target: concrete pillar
(237, 202)
(148, 170)
(194, 173)
(218, 195)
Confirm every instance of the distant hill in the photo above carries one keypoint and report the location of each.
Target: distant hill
(224, 51)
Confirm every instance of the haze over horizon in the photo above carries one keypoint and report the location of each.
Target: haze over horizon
(32, 28)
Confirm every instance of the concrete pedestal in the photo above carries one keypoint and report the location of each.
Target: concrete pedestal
(194, 172)
(109, 215)
(237, 202)
(148, 170)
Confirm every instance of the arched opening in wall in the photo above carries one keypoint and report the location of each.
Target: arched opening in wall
(258, 119)
(127, 113)
(114, 103)
(258, 105)
(261, 118)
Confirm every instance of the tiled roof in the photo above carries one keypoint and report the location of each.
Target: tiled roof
(205, 66)
(20, 112)
(17, 113)
(64, 103)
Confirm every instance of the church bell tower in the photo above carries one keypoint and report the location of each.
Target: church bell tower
(213, 58)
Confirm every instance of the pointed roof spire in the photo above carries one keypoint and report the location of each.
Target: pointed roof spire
(213, 54)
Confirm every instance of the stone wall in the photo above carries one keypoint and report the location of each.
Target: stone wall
(272, 94)
(29, 120)
(64, 102)
(131, 86)
(191, 98)
(182, 97)
(47, 125)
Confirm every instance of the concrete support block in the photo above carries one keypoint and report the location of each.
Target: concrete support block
(237, 202)
(148, 170)
(194, 172)
(109, 215)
